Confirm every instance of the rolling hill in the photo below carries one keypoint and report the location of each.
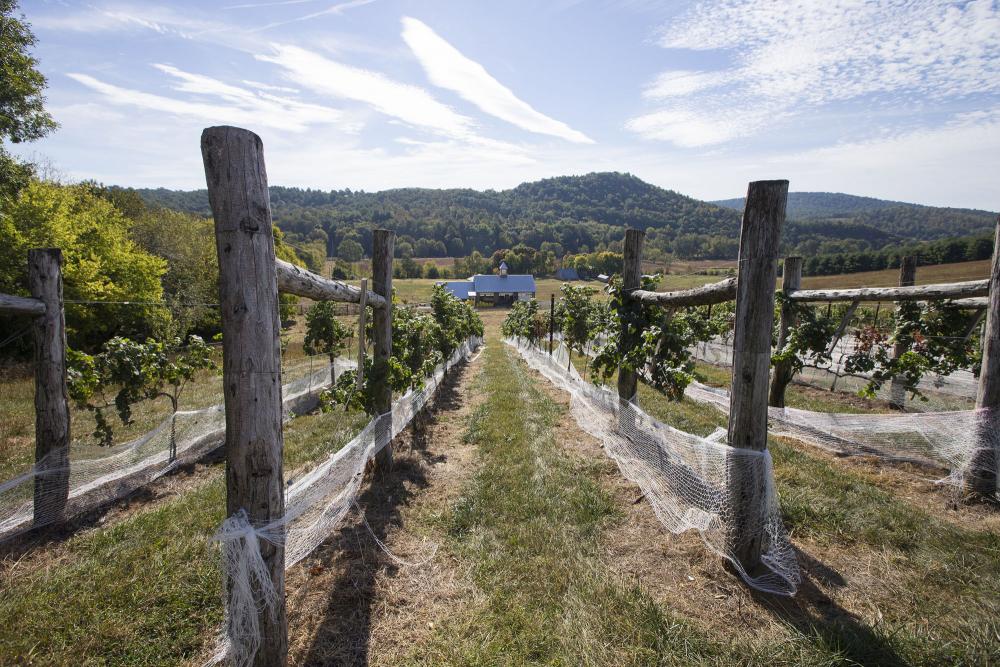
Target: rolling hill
(572, 214)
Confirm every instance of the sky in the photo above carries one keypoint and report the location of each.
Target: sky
(898, 99)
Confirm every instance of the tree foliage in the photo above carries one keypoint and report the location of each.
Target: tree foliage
(101, 261)
(22, 104)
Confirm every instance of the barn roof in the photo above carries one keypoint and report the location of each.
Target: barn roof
(508, 283)
(461, 289)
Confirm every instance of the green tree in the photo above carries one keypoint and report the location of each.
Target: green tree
(101, 261)
(22, 105)
(350, 250)
(191, 283)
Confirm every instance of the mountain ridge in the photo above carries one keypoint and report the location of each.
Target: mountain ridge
(584, 213)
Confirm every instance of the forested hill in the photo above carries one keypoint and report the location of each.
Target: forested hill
(900, 219)
(574, 214)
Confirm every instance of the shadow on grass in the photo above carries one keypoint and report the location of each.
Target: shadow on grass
(101, 507)
(821, 621)
(344, 634)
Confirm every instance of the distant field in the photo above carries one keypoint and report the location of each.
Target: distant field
(685, 274)
(940, 273)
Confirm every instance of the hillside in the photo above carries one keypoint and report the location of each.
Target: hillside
(829, 212)
(573, 214)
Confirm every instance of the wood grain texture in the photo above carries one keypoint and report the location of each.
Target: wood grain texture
(935, 292)
(760, 236)
(383, 244)
(982, 475)
(52, 416)
(302, 282)
(362, 325)
(631, 280)
(251, 351)
(19, 305)
(724, 290)
(781, 375)
(897, 386)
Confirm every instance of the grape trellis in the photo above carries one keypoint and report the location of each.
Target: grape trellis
(934, 330)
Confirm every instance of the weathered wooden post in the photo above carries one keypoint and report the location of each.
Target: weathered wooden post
(760, 236)
(552, 320)
(907, 278)
(362, 323)
(51, 397)
(251, 353)
(631, 281)
(982, 474)
(383, 243)
(791, 280)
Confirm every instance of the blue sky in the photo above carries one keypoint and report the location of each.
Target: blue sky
(897, 99)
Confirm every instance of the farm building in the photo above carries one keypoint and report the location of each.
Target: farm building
(567, 274)
(500, 289)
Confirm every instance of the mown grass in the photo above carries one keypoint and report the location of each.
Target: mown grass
(529, 526)
(938, 582)
(145, 590)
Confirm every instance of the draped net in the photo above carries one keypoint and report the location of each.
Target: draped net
(692, 483)
(97, 475)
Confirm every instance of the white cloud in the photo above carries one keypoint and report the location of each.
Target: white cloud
(687, 129)
(240, 106)
(448, 68)
(332, 10)
(793, 58)
(410, 104)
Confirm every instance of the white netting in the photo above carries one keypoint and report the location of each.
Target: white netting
(314, 504)
(691, 482)
(948, 440)
(97, 475)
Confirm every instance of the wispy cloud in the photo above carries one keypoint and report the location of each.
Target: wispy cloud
(448, 68)
(407, 103)
(793, 58)
(233, 104)
(332, 10)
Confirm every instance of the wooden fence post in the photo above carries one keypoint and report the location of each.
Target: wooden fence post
(51, 397)
(982, 476)
(552, 320)
(760, 236)
(251, 353)
(383, 243)
(362, 323)
(791, 280)
(631, 280)
(897, 386)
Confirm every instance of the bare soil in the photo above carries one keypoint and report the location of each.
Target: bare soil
(351, 602)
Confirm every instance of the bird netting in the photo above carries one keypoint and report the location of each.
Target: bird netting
(314, 504)
(96, 475)
(945, 440)
(692, 483)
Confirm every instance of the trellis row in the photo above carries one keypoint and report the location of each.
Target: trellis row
(754, 289)
(250, 278)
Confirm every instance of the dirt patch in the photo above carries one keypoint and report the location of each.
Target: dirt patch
(351, 603)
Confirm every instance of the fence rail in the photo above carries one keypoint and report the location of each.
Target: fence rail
(302, 282)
